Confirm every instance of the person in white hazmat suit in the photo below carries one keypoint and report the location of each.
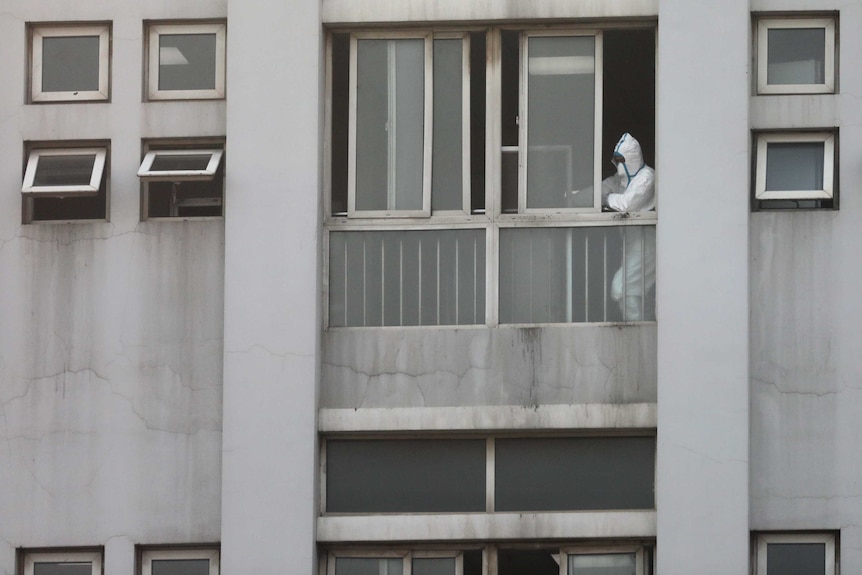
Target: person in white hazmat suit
(632, 189)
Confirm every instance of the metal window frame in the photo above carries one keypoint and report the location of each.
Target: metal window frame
(146, 172)
(764, 25)
(29, 189)
(766, 138)
(428, 38)
(150, 555)
(155, 30)
(764, 539)
(523, 108)
(407, 557)
(39, 32)
(93, 557)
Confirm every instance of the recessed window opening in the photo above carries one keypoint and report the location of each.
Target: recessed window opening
(69, 63)
(65, 183)
(186, 61)
(180, 561)
(66, 562)
(795, 170)
(796, 56)
(182, 180)
(796, 554)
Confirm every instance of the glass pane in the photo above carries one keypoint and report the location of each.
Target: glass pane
(796, 559)
(390, 114)
(447, 166)
(367, 566)
(63, 568)
(561, 275)
(404, 476)
(64, 170)
(575, 474)
(187, 61)
(794, 166)
(561, 121)
(796, 56)
(181, 567)
(171, 163)
(611, 564)
(434, 566)
(434, 277)
(70, 63)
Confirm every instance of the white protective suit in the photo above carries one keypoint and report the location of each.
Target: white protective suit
(632, 189)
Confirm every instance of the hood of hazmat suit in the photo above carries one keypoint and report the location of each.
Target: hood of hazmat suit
(635, 189)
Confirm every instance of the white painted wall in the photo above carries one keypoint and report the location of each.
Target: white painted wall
(702, 287)
(272, 304)
(110, 333)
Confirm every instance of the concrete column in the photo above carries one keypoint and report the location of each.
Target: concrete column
(272, 249)
(702, 297)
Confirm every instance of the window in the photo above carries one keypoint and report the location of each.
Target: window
(180, 561)
(69, 63)
(182, 179)
(418, 562)
(796, 168)
(618, 560)
(527, 474)
(186, 61)
(796, 554)
(65, 183)
(466, 176)
(796, 56)
(65, 562)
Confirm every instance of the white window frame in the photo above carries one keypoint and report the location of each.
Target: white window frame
(93, 557)
(38, 33)
(763, 141)
(146, 172)
(523, 128)
(150, 555)
(766, 24)
(637, 550)
(406, 556)
(153, 59)
(425, 212)
(29, 189)
(764, 539)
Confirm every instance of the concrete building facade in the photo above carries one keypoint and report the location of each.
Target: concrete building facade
(386, 325)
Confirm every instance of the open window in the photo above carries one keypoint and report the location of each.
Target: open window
(186, 61)
(65, 183)
(417, 562)
(564, 103)
(796, 55)
(180, 561)
(809, 553)
(795, 170)
(62, 562)
(69, 63)
(182, 179)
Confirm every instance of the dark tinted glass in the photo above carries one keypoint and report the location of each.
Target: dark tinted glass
(549, 474)
(434, 566)
(180, 163)
(796, 559)
(367, 566)
(379, 476)
(63, 569)
(64, 170)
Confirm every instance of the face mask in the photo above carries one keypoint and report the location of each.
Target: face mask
(621, 169)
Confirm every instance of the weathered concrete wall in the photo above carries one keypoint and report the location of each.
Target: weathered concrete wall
(434, 367)
(110, 333)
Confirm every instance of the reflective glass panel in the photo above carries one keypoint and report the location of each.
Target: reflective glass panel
(187, 61)
(368, 566)
(181, 567)
(610, 564)
(73, 170)
(173, 163)
(794, 166)
(70, 63)
(548, 474)
(405, 475)
(390, 119)
(447, 166)
(795, 559)
(434, 566)
(796, 56)
(561, 120)
(63, 568)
